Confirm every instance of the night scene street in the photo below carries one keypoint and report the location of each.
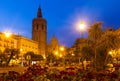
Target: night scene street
(59, 40)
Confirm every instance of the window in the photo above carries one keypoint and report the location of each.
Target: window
(4, 45)
(0, 44)
(12, 41)
(42, 26)
(0, 38)
(37, 27)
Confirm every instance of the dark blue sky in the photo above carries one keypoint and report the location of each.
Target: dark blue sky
(61, 15)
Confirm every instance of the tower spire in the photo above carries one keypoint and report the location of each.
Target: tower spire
(39, 13)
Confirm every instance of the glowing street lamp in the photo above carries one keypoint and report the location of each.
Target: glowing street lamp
(56, 53)
(60, 55)
(44, 57)
(7, 34)
(110, 52)
(21, 50)
(62, 49)
(82, 27)
(72, 54)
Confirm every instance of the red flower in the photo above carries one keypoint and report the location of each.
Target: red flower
(57, 76)
(30, 80)
(1, 79)
(22, 79)
(35, 72)
(63, 72)
(65, 77)
(41, 72)
(71, 73)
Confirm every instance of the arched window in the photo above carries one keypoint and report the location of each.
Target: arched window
(37, 27)
(42, 26)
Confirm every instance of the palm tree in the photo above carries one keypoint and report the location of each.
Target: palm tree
(94, 34)
(109, 41)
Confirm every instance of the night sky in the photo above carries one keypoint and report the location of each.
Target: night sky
(61, 15)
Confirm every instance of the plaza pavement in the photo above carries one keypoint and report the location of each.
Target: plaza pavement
(19, 69)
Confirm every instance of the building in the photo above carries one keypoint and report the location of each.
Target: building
(38, 43)
(53, 47)
(39, 32)
(7, 42)
(26, 45)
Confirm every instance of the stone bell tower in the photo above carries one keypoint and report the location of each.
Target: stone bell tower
(39, 32)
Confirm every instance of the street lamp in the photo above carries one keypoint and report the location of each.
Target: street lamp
(56, 53)
(7, 34)
(62, 49)
(110, 52)
(72, 54)
(21, 50)
(61, 53)
(81, 27)
(113, 54)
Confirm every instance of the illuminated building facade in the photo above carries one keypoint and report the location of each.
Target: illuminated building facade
(18, 42)
(7, 42)
(38, 44)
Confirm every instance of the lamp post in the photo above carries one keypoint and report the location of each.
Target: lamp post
(114, 55)
(61, 53)
(82, 27)
(73, 60)
(7, 35)
(21, 50)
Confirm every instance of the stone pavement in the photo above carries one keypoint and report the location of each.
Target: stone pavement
(15, 68)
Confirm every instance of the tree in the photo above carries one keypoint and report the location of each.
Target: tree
(101, 42)
(94, 34)
(9, 53)
(2, 59)
(50, 57)
(87, 53)
(109, 41)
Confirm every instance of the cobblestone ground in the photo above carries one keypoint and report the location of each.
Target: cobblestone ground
(15, 68)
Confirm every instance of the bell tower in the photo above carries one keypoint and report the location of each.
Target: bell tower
(39, 32)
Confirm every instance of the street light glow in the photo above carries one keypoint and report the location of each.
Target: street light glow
(56, 53)
(44, 57)
(72, 54)
(110, 52)
(82, 26)
(62, 48)
(60, 55)
(7, 34)
(21, 50)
